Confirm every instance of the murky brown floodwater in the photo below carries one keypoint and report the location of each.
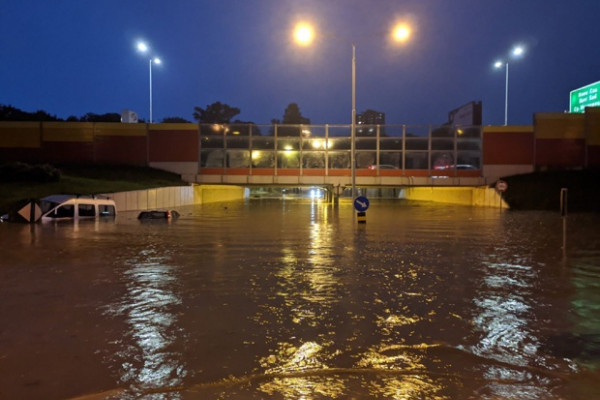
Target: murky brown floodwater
(289, 300)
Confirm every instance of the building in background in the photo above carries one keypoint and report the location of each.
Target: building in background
(366, 122)
(466, 115)
(370, 117)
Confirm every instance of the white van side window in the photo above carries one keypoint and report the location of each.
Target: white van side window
(86, 210)
(107, 211)
(64, 211)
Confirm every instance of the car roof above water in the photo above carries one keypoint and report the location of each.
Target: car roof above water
(61, 198)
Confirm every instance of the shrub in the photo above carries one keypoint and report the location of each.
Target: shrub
(22, 172)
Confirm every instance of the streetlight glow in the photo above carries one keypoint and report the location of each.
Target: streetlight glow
(143, 47)
(304, 34)
(401, 33)
(518, 51)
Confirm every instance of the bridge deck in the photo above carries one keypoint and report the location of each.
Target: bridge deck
(341, 177)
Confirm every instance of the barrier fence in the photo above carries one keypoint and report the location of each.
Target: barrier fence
(390, 150)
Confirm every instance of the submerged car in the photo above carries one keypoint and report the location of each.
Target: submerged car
(158, 214)
(60, 207)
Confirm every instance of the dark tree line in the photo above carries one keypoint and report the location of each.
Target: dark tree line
(10, 113)
(219, 113)
(215, 113)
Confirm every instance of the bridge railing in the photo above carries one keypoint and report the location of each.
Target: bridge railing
(381, 150)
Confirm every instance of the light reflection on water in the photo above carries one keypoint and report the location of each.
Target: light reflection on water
(145, 355)
(289, 300)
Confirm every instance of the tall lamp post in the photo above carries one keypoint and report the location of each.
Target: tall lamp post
(516, 52)
(144, 48)
(304, 35)
(353, 125)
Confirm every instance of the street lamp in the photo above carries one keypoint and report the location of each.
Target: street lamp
(144, 48)
(401, 32)
(515, 53)
(304, 35)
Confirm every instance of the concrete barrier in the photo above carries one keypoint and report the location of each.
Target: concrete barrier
(219, 193)
(480, 196)
(169, 197)
(176, 196)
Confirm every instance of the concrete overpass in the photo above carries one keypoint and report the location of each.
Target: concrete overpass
(272, 154)
(364, 178)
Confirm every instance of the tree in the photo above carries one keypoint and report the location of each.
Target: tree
(292, 115)
(108, 117)
(216, 113)
(175, 120)
(10, 113)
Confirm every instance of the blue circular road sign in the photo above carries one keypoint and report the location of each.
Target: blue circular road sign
(361, 203)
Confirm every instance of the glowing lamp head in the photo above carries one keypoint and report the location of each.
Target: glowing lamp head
(304, 34)
(142, 47)
(401, 33)
(156, 60)
(518, 51)
(498, 64)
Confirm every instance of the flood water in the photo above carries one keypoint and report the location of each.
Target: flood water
(272, 299)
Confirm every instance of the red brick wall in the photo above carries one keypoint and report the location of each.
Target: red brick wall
(130, 150)
(560, 152)
(173, 145)
(508, 145)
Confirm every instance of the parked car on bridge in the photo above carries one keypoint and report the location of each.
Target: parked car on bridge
(383, 166)
(457, 166)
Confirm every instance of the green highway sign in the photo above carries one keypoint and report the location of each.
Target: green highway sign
(583, 97)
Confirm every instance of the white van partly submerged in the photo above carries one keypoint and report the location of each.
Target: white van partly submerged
(60, 207)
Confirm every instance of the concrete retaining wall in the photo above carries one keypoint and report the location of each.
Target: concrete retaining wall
(175, 196)
(481, 196)
(219, 193)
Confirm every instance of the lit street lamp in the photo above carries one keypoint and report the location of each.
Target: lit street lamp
(515, 53)
(304, 35)
(144, 48)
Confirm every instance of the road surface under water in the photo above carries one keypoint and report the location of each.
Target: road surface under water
(272, 299)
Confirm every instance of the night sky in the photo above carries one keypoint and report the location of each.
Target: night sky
(71, 57)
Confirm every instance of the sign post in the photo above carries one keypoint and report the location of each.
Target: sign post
(361, 204)
(564, 194)
(31, 212)
(501, 187)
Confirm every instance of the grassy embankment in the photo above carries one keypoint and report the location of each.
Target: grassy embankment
(87, 180)
(541, 190)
